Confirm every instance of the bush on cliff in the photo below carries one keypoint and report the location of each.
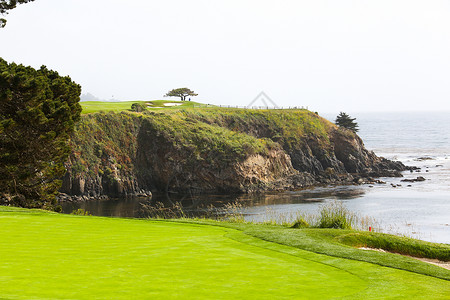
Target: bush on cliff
(38, 110)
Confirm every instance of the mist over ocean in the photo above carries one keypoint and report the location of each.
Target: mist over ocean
(406, 135)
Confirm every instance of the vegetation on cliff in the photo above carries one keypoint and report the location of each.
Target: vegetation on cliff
(344, 120)
(208, 149)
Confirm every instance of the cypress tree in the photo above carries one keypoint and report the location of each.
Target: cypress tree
(345, 121)
(38, 110)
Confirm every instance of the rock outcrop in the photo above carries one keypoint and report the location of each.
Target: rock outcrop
(225, 151)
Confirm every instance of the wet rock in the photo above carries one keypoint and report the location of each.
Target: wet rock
(62, 197)
(358, 181)
(418, 179)
(423, 158)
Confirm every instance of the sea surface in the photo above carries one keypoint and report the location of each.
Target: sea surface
(420, 210)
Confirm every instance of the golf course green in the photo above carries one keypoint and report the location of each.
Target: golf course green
(120, 106)
(53, 256)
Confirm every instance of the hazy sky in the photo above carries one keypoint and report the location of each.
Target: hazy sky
(335, 55)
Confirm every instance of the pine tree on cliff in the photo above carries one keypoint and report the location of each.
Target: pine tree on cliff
(38, 110)
(344, 120)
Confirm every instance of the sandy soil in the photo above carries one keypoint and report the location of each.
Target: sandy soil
(442, 264)
(172, 104)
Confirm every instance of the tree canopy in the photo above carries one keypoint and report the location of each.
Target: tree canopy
(345, 121)
(181, 92)
(38, 110)
(6, 5)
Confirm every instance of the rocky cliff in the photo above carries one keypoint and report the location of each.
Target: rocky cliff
(214, 150)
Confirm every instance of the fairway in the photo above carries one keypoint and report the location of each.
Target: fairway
(52, 256)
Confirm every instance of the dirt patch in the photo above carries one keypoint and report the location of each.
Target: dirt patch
(442, 264)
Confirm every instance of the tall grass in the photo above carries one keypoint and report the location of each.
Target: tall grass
(160, 211)
(330, 215)
(335, 215)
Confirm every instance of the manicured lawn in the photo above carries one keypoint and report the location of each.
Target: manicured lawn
(96, 106)
(330, 242)
(53, 256)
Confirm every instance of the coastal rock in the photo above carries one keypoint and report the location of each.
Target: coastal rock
(129, 154)
(350, 150)
(423, 158)
(418, 179)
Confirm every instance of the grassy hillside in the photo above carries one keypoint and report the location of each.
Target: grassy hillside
(47, 255)
(289, 123)
(224, 129)
(235, 132)
(285, 126)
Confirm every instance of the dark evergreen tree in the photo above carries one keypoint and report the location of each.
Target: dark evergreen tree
(6, 5)
(38, 110)
(344, 120)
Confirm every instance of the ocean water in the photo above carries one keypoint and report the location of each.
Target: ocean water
(420, 210)
(418, 139)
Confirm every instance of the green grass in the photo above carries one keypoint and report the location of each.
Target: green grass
(106, 106)
(52, 256)
(330, 242)
(396, 244)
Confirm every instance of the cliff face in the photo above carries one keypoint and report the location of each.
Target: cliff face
(214, 150)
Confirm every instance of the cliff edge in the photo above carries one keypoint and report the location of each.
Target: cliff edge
(214, 150)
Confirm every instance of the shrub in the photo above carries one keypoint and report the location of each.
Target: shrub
(300, 223)
(80, 212)
(138, 107)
